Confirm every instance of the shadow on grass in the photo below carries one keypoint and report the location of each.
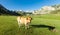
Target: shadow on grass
(44, 26)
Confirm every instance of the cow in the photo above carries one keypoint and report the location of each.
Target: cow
(24, 20)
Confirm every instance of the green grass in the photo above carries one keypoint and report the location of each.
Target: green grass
(9, 25)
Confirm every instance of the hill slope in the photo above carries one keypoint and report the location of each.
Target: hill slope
(4, 11)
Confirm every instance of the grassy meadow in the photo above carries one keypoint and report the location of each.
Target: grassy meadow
(39, 26)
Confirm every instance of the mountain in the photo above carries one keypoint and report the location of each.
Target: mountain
(4, 11)
(57, 6)
(54, 9)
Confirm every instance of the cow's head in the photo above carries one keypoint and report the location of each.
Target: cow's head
(29, 19)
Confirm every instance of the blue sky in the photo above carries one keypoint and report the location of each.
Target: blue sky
(27, 4)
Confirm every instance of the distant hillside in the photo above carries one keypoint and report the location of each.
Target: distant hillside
(54, 9)
(4, 11)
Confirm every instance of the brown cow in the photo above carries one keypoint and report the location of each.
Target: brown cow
(24, 20)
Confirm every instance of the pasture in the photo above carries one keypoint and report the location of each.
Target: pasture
(40, 25)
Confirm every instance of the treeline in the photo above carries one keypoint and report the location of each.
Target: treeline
(24, 13)
(55, 12)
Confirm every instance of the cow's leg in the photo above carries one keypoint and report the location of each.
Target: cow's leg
(19, 24)
(26, 25)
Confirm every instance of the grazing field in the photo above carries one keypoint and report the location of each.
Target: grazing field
(40, 25)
